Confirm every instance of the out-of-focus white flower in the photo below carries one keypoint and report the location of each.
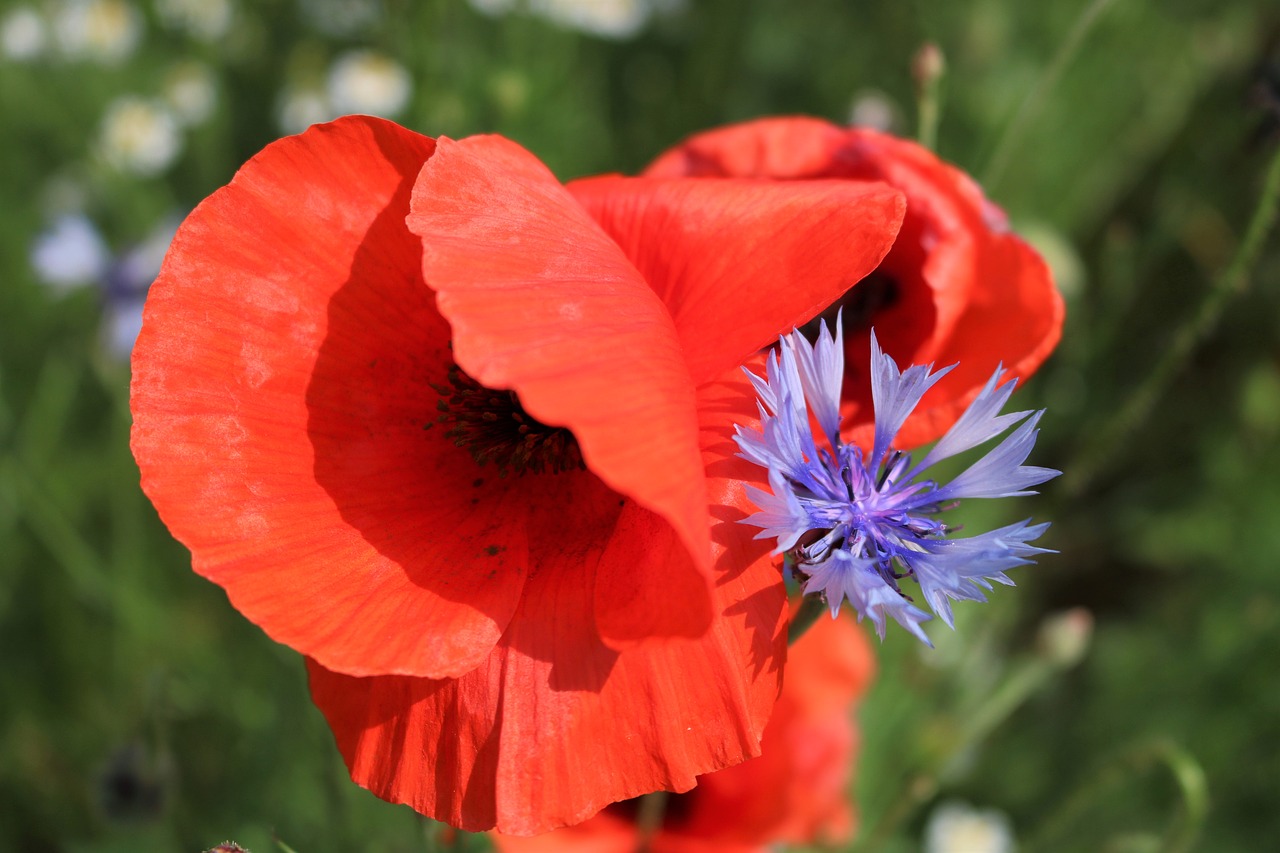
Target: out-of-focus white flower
(874, 109)
(71, 253)
(99, 30)
(956, 827)
(139, 136)
(23, 34)
(207, 20)
(191, 92)
(341, 18)
(363, 81)
(616, 19)
(302, 106)
(492, 8)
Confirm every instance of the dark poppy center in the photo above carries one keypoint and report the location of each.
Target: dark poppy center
(859, 305)
(494, 427)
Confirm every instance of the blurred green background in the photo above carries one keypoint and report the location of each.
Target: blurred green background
(1128, 139)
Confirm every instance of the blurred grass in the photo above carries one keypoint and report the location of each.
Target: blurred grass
(139, 711)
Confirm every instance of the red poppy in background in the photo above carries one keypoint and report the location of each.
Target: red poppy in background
(427, 423)
(796, 792)
(957, 287)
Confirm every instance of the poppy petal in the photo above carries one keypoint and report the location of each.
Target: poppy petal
(739, 261)
(1016, 319)
(557, 724)
(542, 302)
(280, 390)
(957, 286)
(795, 792)
(786, 148)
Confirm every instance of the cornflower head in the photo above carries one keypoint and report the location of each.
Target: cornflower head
(854, 525)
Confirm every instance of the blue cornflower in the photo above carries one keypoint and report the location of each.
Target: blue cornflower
(855, 525)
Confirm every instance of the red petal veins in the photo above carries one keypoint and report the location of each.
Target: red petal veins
(739, 262)
(541, 301)
(557, 724)
(280, 393)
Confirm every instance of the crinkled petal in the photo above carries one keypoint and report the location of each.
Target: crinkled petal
(797, 790)
(556, 724)
(281, 386)
(543, 302)
(740, 261)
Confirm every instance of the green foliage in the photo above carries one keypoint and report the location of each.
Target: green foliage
(139, 711)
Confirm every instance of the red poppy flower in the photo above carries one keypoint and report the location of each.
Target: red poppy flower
(957, 287)
(796, 792)
(318, 382)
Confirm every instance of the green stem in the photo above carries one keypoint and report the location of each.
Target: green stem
(84, 567)
(652, 809)
(1012, 694)
(811, 607)
(1182, 831)
(1013, 133)
(1233, 282)
(929, 69)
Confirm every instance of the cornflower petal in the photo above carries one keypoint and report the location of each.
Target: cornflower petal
(1000, 473)
(869, 522)
(821, 374)
(845, 576)
(980, 422)
(781, 513)
(895, 395)
(955, 568)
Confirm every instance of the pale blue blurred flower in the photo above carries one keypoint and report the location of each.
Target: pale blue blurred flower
(126, 284)
(73, 254)
(70, 254)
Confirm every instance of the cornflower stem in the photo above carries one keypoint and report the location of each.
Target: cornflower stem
(811, 607)
(1021, 685)
(1232, 282)
(929, 68)
(1187, 774)
(652, 809)
(1013, 132)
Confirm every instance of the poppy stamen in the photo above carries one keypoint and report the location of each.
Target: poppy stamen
(859, 307)
(494, 427)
